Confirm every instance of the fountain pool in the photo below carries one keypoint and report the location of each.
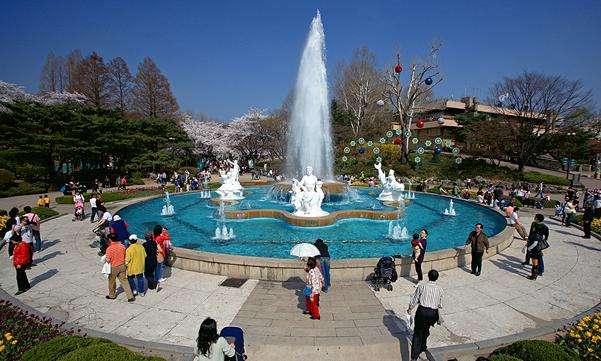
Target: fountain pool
(195, 220)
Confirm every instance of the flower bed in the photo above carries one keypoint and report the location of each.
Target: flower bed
(583, 338)
(29, 337)
(121, 195)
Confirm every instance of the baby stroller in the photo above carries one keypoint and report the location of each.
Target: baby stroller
(238, 335)
(384, 274)
(78, 211)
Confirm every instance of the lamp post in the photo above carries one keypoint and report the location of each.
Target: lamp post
(569, 162)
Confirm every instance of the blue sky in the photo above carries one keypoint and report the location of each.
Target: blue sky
(223, 57)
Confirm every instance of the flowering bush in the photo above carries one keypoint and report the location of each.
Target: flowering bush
(596, 225)
(21, 330)
(583, 338)
(3, 220)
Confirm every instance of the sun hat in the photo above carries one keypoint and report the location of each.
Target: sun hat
(133, 236)
(116, 217)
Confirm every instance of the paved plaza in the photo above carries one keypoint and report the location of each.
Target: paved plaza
(356, 321)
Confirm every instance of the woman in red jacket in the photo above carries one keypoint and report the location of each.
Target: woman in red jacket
(21, 258)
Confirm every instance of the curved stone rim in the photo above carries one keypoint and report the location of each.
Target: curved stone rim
(353, 269)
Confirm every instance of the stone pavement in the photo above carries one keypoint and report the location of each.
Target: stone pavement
(356, 323)
(67, 284)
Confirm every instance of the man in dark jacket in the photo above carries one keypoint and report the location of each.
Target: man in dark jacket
(587, 219)
(324, 261)
(479, 243)
(150, 263)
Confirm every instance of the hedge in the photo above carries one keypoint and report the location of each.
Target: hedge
(501, 357)
(118, 196)
(536, 350)
(77, 348)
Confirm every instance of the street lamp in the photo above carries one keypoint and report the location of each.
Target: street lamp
(569, 162)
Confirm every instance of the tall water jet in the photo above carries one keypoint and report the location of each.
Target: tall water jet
(309, 136)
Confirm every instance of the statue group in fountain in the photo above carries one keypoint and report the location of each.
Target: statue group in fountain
(230, 189)
(392, 190)
(307, 195)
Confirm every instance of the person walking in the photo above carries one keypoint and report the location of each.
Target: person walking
(150, 262)
(162, 239)
(135, 257)
(115, 256)
(119, 227)
(25, 231)
(479, 244)
(538, 232)
(570, 212)
(40, 202)
(428, 299)
(587, 220)
(21, 258)
(210, 346)
(12, 225)
(34, 221)
(314, 282)
(46, 201)
(422, 243)
(93, 207)
(324, 261)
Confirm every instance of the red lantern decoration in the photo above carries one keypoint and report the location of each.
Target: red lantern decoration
(398, 68)
(420, 123)
(397, 140)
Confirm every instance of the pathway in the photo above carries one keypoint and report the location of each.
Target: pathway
(357, 323)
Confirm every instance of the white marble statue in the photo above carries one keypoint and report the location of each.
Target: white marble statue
(392, 191)
(307, 195)
(230, 185)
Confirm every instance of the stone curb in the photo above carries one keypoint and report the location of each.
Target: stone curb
(169, 351)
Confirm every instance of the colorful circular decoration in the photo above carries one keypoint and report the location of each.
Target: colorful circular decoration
(361, 140)
(389, 134)
(428, 143)
(344, 159)
(398, 132)
(420, 150)
(414, 140)
(417, 159)
(447, 142)
(438, 141)
(353, 143)
(440, 120)
(397, 141)
(379, 160)
(407, 133)
(455, 151)
(458, 160)
(382, 140)
(437, 150)
(376, 150)
(347, 150)
(420, 123)
(361, 150)
(398, 68)
(370, 143)
(428, 81)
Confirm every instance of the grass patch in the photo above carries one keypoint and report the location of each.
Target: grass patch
(108, 197)
(535, 177)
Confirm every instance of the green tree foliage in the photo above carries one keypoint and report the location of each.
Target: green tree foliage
(36, 140)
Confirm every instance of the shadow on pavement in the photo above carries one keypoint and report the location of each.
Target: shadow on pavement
(584, 246)
(47, 257)
(44, 276)
(297, 285)
(402, 333)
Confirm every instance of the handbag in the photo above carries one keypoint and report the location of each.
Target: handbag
(307, 291)
(106, 269)
(543, 244)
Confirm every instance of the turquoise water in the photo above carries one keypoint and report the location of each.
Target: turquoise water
(193, 225)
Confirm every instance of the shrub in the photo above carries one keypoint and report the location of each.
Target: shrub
(57, 347)
(516, 203)
(583, 338)
(502, 357)
(119, 196)
(24, 188)
(106, 351)
(536, 350)
(193, 170)
(530, 202)
(6, 177)
(535, 177)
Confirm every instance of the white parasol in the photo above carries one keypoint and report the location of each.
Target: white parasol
(304, 250)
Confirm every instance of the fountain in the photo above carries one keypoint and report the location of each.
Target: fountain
(307, 196)
(397, 229)
(230, 189)
(309, 136)
(221, 231)
(168, 207)
(451, 210)
(392, 190)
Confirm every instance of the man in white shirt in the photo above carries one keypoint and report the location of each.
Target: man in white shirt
(34, 221)
(428, 295)
(514, 221)
(93, 207)
(104, 220)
